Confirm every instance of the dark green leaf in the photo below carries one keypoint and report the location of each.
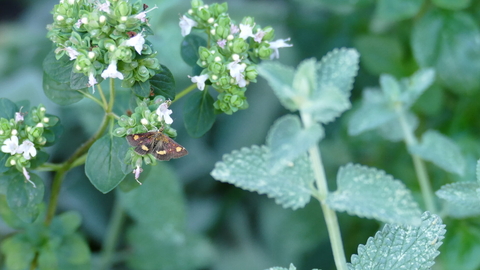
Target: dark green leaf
(394, 10)
(189, 48)
(199, 114)
(7, 108)
(58, 70)
(3, 161)
(73, 253)
(60, 93)
(23, 198)
(453, 5)
(163, 83)
(19, 253)
(141, 89)
(39, 159)
(103, 166)
(78, 81)
(8, 216)
(66, 223)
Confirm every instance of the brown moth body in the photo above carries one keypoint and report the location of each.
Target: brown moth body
(158, 144)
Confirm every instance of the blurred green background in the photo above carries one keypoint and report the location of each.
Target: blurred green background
(246, 230)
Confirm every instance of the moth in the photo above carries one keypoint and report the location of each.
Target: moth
(158, 144)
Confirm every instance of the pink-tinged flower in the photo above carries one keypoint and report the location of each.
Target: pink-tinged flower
(27, 176)
(222, 43)
(246, 31)
(275, 45)
(18, 117)
(259, 36)
(105, 7)
(112, 72)
(72, 53)
(164, 113)
(79, 23)
(200, 81)
(234, 29)
(27, 148)
(10, 145)
(142, 16)
(137, 42)
(137, 171)
(92, 81)
(186, 25)
(236, 71)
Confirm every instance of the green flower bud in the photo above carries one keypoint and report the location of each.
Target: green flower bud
(218, 9)
(251, 73)
(203, 13)
(248, 21)
(123, 8)
(151, 63)
(216, 67)
(197, 3)
(41, 141)
(269, 33)
(121, 28)
(124, 54)
(204, 53)
(141, 73)
(120, 132)
(239, 46)
(264, 51)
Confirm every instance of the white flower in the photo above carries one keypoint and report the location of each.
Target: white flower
(10, 145)
(236, 71)
(142, 16)
(18, 117)
(137, 172)
(105, 7)
(259, 36)
(27, 148)
(27, 176)
(137, 42)
(164, 113)
(200, 81)
(92, 81)
(72, 53)
(186, 25)
(275, 45)
(79, 23)
(222, 43)
(234, 29)
(246, 31)
(112, 72)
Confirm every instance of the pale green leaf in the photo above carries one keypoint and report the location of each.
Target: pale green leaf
(371, 193)
(462, 198)
(414, 86)
(292, 267)
(402, 247)
(478, 170)
(394, 10)
(392, 130)
(287, 136)
(390, 87)
(248, 169)
(329, 104)
(305, 78)
(441, 151)
(280, 79)
(18, 252)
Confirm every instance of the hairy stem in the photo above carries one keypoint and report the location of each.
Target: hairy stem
(420, 170)
(328, 213)
(110, 242)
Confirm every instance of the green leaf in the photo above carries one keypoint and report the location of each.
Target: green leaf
(189, 48)
(73, 253)
(478, 171)
(19, 253)
(393, 10)
(8, 216)
(441, 151)
(23, 198)
(287, 136)
(141, 89)
(280, 79)
(402, 247)
(371, 193)
(66, 223)
(163, 83)
(47, 259)
(414, 86)
(390, 87)
(78, 81)
(60, 93)
(305, 78)
(103, 166)
(374, 112)
(7, 108)
(159, 201)
(292, 267)
(248, 169)
(39, 159)
(199, 113)
(461, 247)
(462, 199)
(452, 5)
(3, 160)
(443, 40)
(392, 130)
(58, 70)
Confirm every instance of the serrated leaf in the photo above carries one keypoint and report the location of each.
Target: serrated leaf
(390, 87)
(441, 151)
(414, 86)
(402, 247)
(327, 105)
(163, 83)
(393, 10)
(291, 267)
(23, 198)
(199, 113)
(60, 93)
(103, 166)
(392, 130)
(189, 48)
(287, 136)
(280, 79)
(462, 198)
(141, 89)
(248, 169)
(305, 78)
(371, 193)
(7, 108)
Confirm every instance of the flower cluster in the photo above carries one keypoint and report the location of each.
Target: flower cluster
(22, 137)
(229, 61)
(106, 39)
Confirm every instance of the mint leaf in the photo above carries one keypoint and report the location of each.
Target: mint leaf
(280, 78)
(371, 193)
(462, 198)
(248, 169)
(292, 267)
(414, 86)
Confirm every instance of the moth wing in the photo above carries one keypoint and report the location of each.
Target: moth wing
(166, 149)
(144, 142)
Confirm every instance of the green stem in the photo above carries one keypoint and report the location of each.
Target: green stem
(420, 170)
(90, 96)
(328, 213)
(110, 242)
(185, 91)
(102, 96)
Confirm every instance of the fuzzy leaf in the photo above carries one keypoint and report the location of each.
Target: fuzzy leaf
(280, 79)
(402, 247)
(248, 169)
(414, 86)
(392, 130)
(292, 267)
(371, 193)
(287, 136)
(441, 151)
(462, 198)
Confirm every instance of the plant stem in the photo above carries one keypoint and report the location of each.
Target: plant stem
(110, 242)
(328, 213)
(420, 170)
(90, 96)
(185, 91)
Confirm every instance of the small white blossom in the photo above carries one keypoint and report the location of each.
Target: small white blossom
(142, 16)
(236, 71)
(27, 176)
(200, 81)
(112, 72)
(79, 23)
(10, 145)
(72, 53)
(144, 121)
(137, 42)
(222, 43)
(279, 43)
(246, 31)
(164, 113)
(234, 29)
(27, 148)
(105, 7)
(92, 81)
(186, 25)
(259, 36)
(137, 172)
(18, 117)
